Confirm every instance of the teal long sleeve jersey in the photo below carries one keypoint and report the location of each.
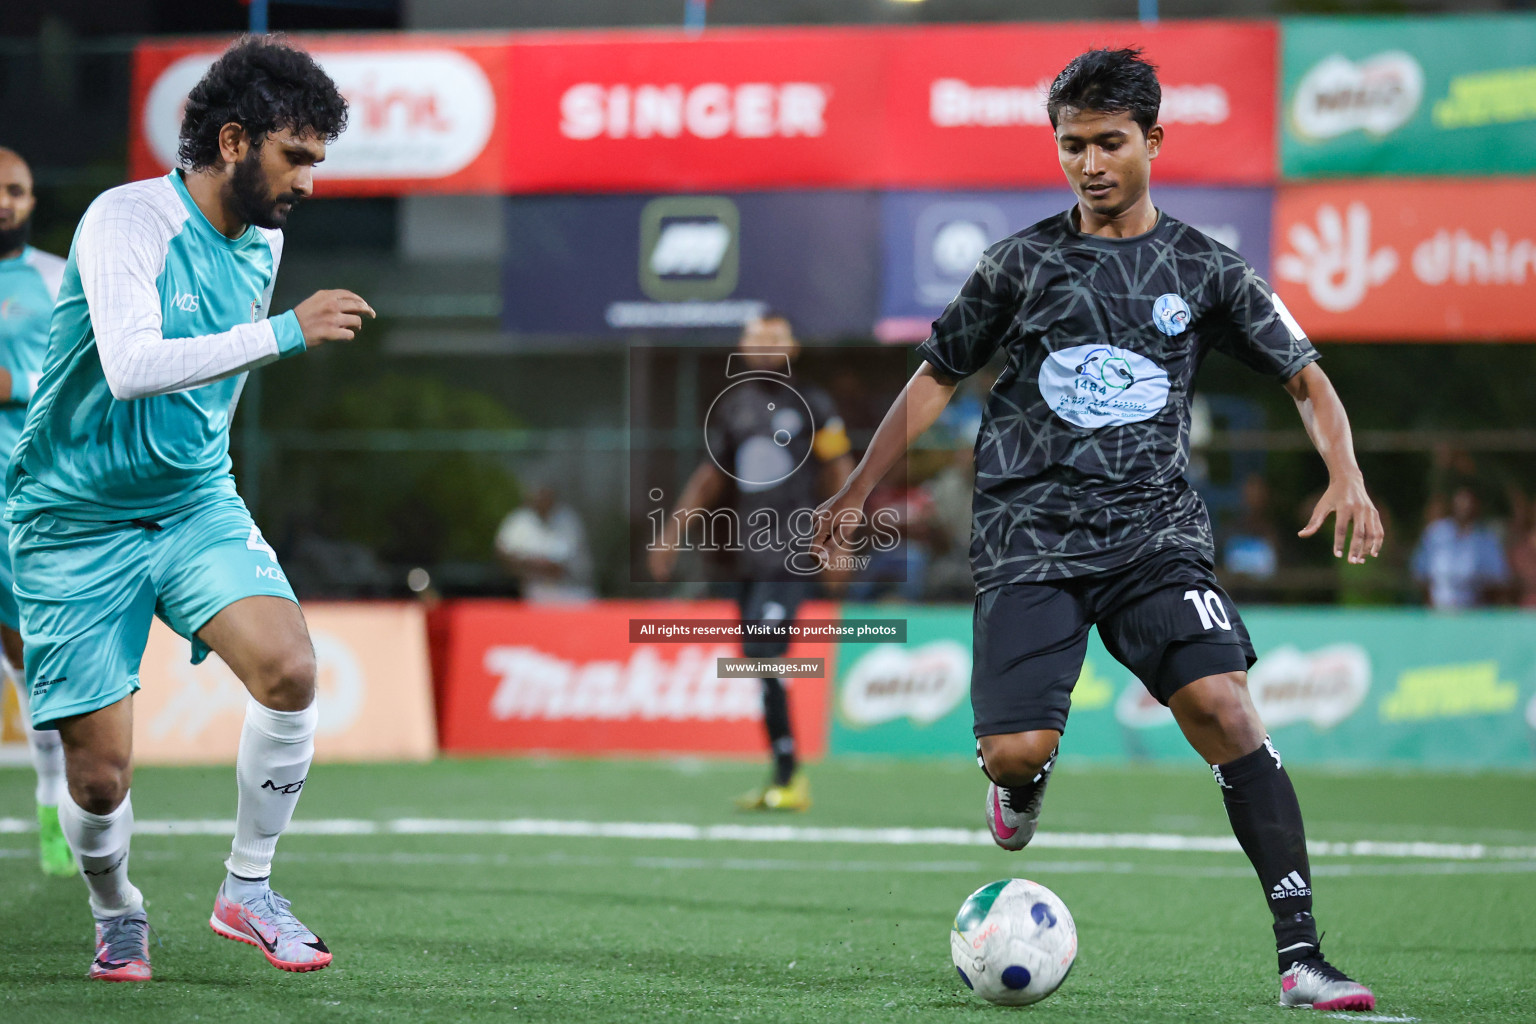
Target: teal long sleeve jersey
(159, 316)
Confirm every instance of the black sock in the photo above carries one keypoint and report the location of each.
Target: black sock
(776, 718)
(1266, 818)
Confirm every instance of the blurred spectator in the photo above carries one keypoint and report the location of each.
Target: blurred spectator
(1253, 547)
(544, 545)
(1459, 559)
(950, 493)
(1522, 552)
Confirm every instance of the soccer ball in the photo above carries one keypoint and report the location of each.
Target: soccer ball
(1013, 942)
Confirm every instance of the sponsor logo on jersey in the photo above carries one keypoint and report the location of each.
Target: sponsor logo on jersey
(712, 110)
(1097, 386)
(1376, 95)
(270, 572)
(186, 302)
(1171, 314)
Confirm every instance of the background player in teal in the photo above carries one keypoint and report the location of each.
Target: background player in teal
(121, 501)
(29, 281)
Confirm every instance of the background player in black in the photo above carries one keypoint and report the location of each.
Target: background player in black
(777, 447)
(1082, 516)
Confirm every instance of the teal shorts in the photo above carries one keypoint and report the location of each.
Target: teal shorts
(9, 616)
(87, 592)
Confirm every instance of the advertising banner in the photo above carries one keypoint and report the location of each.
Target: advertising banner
(966, 105)
(589, 265)
(568, 679)
(423, 111)
(375, 691)
(932, 240)
(1409, 260)
(1390, 687)
(1437, 95)
(661, 111)
(739, 109)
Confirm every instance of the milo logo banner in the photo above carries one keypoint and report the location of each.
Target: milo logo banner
(1446, 95)
(1389, 687)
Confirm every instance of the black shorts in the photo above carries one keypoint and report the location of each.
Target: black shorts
(772, 602)
(1166, 619)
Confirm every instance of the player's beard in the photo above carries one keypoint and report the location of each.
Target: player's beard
(253, 202)
(14, 238)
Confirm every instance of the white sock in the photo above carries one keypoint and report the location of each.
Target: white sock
(101, 843)
(46, 747)
(275, 750)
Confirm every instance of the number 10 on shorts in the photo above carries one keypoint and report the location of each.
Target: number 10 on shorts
(1210, 609)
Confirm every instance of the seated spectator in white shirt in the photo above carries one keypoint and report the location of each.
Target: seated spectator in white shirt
(543, 544)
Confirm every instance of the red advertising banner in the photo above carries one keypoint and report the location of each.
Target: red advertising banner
(649, 112)
(567, 679)
(425, 110)
(1377, 260)
(966, 105)
(740, 109)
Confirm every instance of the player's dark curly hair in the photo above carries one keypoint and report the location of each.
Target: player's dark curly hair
(262, 84)
(1112, 81)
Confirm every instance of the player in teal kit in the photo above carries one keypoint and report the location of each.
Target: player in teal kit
(121, 503)
(29, 281)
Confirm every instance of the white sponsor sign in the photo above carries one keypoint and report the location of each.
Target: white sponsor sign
(956, 103)
(1376, 95)
(672, 683)
(922, 683)
(1323, 687)
(711, 110)
(413, 113)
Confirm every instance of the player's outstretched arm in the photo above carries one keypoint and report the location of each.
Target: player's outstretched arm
(1355, 515)
(913, 412)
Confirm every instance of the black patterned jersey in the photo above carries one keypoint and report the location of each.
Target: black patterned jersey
(1084, 440)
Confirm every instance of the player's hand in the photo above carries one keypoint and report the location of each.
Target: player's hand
(334, 315)
(661, 562)
(1354, 516)
(837, 521)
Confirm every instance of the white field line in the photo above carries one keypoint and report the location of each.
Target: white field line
(1036, 868)
(635, 830)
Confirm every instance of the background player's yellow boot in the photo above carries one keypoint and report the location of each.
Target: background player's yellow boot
(794, 795)
(53, 853)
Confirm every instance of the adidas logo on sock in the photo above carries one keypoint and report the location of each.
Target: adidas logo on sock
(1291, 885)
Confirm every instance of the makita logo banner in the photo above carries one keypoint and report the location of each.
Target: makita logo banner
(519, 677)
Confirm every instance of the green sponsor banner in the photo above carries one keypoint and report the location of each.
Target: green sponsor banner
(1447, 95)
(1334, 686)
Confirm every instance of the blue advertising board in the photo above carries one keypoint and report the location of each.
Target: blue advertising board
(932, 240)
(601, 266)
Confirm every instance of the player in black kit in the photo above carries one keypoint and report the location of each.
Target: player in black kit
(776, 448)
(1082, 515)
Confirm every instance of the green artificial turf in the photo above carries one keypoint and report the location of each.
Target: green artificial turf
(510, 928)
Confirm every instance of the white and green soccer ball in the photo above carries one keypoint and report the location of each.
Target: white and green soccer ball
(1013, 942)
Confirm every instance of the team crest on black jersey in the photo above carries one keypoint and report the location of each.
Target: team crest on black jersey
(1171, 314)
